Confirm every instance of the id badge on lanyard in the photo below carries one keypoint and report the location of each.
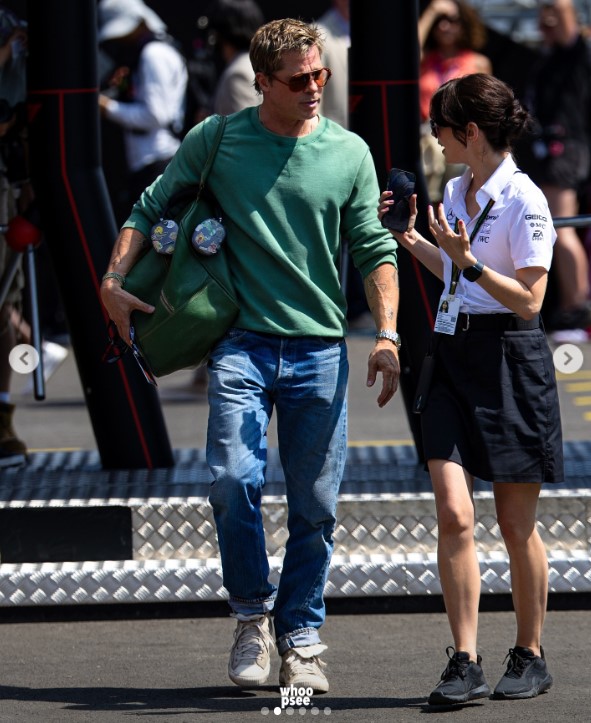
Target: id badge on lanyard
(449, 304)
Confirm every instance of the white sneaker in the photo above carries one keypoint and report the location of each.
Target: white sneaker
(53, 355)
(250, 657)
(302, 668)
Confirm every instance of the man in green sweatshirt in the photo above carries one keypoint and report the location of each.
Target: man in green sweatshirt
(291, 184)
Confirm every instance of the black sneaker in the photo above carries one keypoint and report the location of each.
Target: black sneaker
(462, 681)
(526, 675)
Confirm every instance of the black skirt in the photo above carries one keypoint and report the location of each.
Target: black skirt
(493, 403)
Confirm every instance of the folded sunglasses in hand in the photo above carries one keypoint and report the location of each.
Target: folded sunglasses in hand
(402, 185)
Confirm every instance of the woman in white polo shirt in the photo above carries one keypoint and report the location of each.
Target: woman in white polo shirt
(492, 407)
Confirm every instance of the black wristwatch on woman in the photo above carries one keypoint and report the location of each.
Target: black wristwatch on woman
(473, 273)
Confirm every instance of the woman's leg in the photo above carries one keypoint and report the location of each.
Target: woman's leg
(459, 570)
(516, 514)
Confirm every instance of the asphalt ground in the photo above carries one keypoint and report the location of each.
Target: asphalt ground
(81, 665)
(380, 667)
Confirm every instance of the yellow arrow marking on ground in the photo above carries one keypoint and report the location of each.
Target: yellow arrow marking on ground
(583, 374)
(578, 383)
(582, 401)
(578, 387)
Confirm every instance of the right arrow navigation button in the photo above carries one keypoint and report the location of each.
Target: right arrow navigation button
(568, 358)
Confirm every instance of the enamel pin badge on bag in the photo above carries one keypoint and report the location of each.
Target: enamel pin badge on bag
(164, 235)
(208, 236)
(206, 239)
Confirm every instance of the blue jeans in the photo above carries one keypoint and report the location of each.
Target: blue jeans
(305, 380)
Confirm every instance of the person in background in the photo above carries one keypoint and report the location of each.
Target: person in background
(450, 36)
(15, 195)
(148, 91)
(557, 154)
(233, 23)
(336, 25)
(492, 410)
(289, 181)
(16, 198)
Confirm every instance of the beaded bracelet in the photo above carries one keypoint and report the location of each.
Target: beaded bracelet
(118, 277)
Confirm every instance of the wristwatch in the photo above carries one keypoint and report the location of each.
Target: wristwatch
(473, 273)
(392, 336)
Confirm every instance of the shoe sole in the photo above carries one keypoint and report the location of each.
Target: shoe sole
(476, 694)
(248, 682)
(533, 693)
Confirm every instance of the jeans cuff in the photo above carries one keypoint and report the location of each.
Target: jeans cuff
(251, 607)
(297, 639)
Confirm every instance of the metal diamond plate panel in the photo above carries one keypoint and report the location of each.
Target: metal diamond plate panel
(194, 580)
(385, 539)
(373, 524)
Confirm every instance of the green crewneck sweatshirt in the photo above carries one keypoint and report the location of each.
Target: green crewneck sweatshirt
(286, 204)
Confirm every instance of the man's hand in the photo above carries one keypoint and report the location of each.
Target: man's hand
(120, 304)
(384, 359)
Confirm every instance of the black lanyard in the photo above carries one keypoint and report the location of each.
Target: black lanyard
(455, 270)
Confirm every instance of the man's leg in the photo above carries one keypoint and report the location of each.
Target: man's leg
(311, 401)
(240, 407)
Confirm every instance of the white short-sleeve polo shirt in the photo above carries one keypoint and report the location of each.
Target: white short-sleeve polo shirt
(516, 233)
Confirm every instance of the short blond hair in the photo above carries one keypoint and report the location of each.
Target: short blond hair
(273, 40)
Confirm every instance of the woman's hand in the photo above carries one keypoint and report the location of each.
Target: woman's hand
(408, 238)
(455, 245)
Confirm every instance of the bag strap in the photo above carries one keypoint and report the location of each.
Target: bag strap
(212, 153)
(195, 192)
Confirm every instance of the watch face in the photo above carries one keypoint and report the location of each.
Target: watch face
(472, 273)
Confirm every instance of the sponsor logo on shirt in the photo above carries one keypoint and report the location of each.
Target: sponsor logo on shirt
(483, 239)
(535, 217)
(537, 236)
(538, 225)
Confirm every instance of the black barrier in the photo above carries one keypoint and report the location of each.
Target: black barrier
(575, 221)
(384, 110)
(79, 226)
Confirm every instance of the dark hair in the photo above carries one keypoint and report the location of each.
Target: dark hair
(482, 99)
(236, 21)
(473, 31)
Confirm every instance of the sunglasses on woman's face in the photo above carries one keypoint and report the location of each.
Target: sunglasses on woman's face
(299, 82)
